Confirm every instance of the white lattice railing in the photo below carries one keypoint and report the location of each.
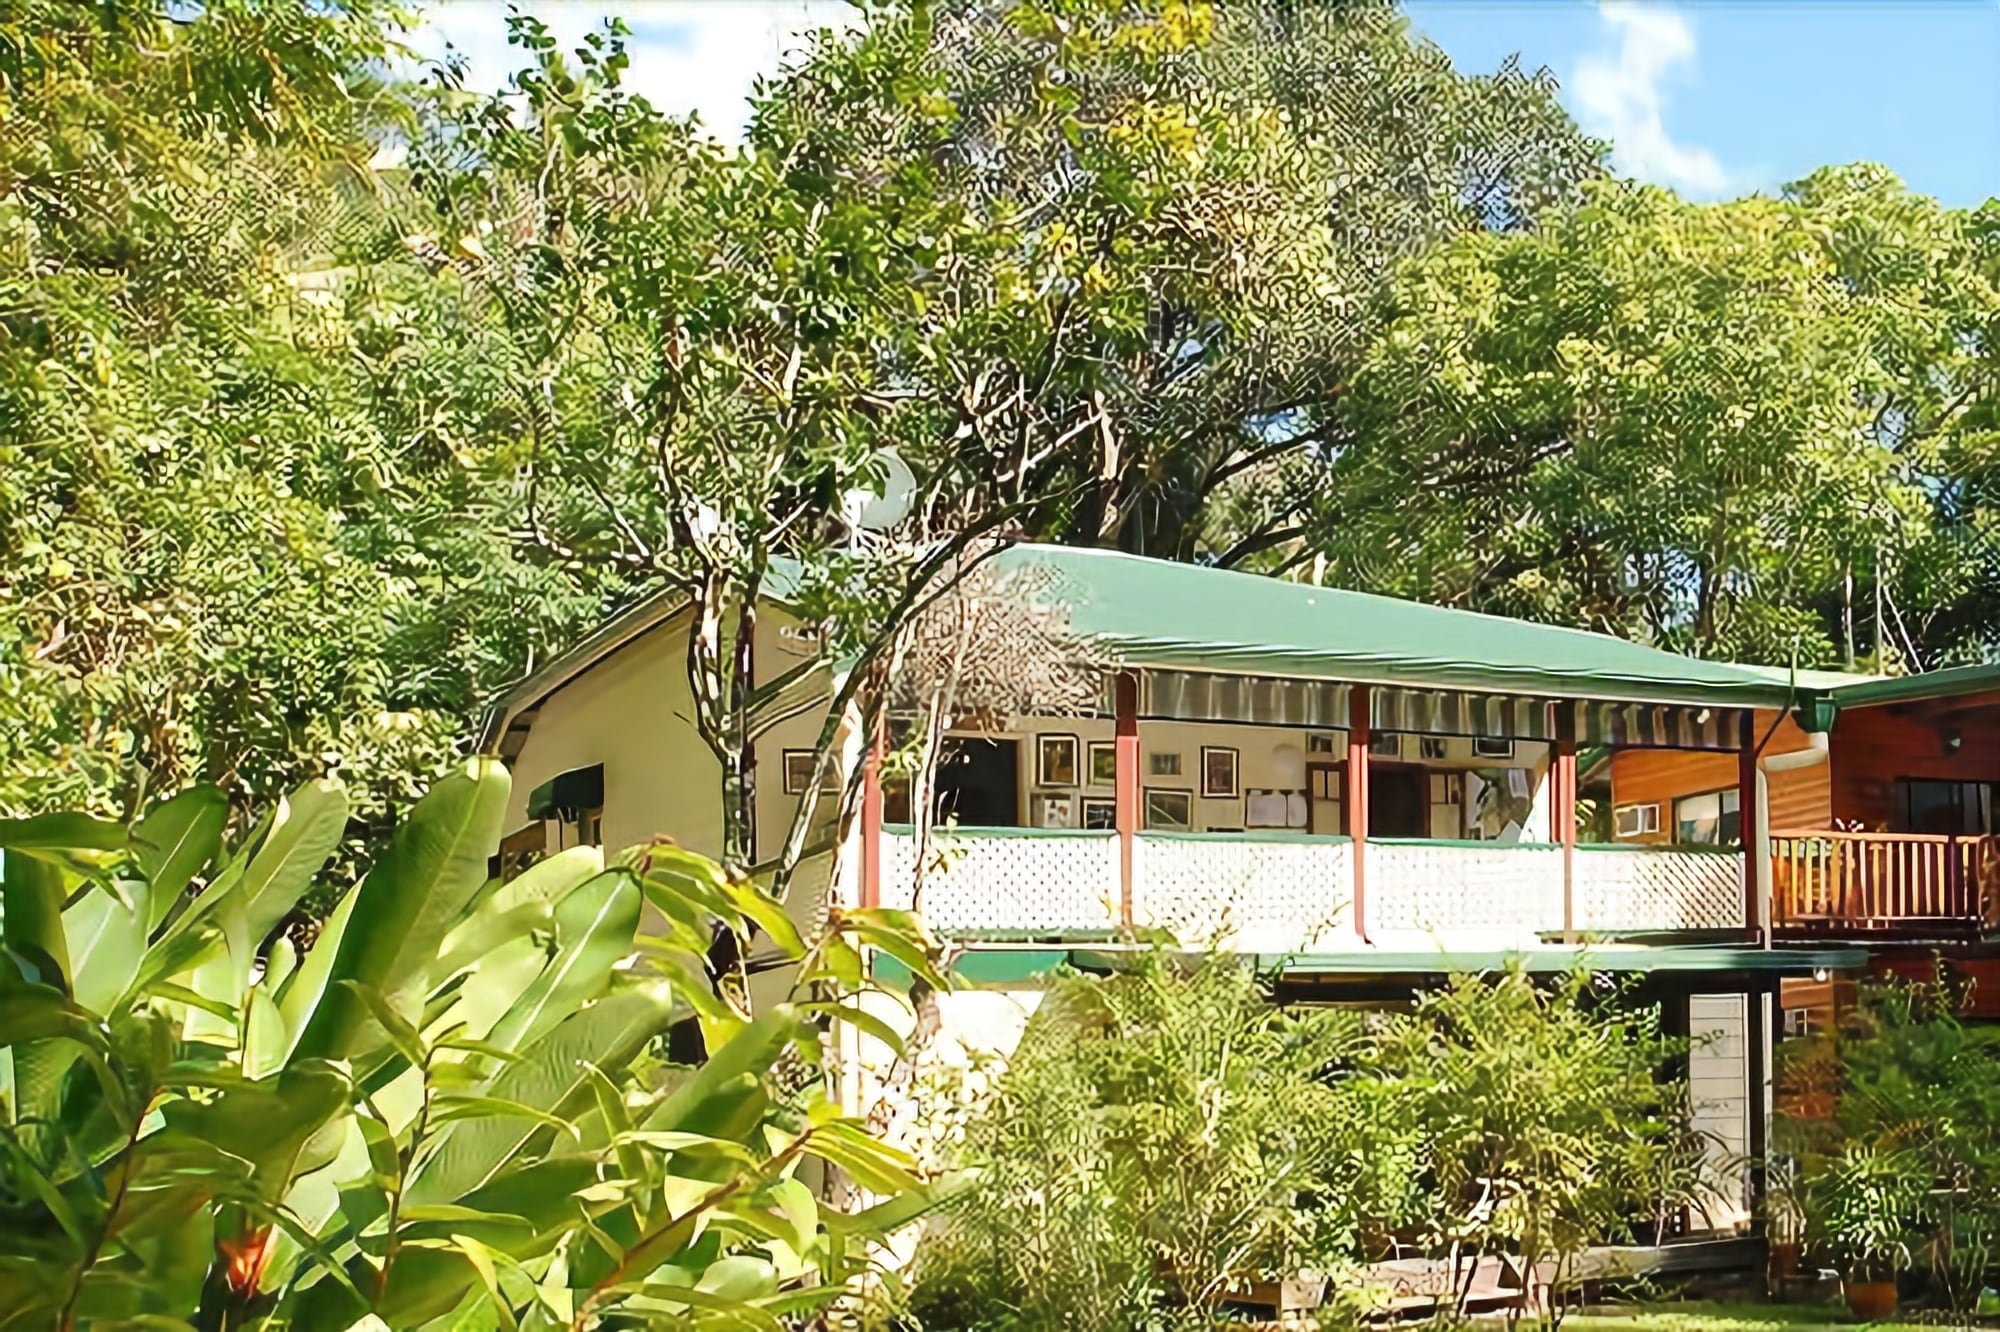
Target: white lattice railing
(1263, 894)
(1658, 888)
(1499, 893)
(1007, 879)
(1286, 893)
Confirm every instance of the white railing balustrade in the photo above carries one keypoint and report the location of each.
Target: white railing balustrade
(1627, 888)
(1279, 893)
(1006, 879)
(1249, 892)
(1487, 894)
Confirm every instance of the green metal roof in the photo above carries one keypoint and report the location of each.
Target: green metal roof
(1196, 618)
(1954, 683)
(1193, 617)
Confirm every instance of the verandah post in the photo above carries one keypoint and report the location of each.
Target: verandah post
(1355, 802)
(871, 815)
(1562, 808)
(1747, 815)
(1126, 788)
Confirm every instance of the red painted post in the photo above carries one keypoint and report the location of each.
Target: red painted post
(1746, 814)
(871, 818)
(1355, 802)
(1125, 787)
(1562, 809)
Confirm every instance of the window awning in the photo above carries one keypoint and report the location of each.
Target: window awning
(1170, 695)
(566, 793)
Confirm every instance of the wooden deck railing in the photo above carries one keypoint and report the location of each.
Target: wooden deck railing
(1824, 881)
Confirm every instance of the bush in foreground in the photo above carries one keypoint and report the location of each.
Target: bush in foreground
(452, 1109)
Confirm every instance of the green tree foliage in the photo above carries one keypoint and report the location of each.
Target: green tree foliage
(240, 539)
(1165, 1132)
(452, 1106)
(1712, 426)
(1166, 220)
(1066, 259)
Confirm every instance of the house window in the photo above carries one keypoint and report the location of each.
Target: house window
(1492, 746)
(1714, 818)
(1944, 807)
(520, 849)
(1638, 820)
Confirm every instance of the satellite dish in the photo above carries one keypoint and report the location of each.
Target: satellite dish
(879, 509)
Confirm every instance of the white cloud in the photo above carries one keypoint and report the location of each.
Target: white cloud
(687, 55)
(1618, 95)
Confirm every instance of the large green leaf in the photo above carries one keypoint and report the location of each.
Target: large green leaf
(300, 995)
(416, 893)
(32, 1012)
(496, 983)
(751, 1052)
(311, 824)
(107, 940)
(266, 1124)
(594, 929)
(176, 841)
(539, 1207)
(549, 880)
(31, 901)
(553, 1076)
(62, 832)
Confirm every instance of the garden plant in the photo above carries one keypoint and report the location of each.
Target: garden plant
(452, 1107)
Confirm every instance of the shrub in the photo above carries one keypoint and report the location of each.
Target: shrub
(1172, 1133)
(1547, 1126)
(1900, 1167)
(1158, 1130)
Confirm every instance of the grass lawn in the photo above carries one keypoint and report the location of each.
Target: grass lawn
(1726, 1318)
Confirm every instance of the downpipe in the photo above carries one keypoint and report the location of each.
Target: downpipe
(1814, 754)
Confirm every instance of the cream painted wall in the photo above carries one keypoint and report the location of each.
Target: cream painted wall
(1262, 764)
(633, 713)
(779, 651)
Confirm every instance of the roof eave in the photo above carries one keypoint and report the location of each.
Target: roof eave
(1957, 682)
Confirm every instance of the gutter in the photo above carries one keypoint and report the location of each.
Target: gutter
(1956, 682)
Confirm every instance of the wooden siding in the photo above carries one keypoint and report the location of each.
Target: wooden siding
(1799, 798)
(1872, 747)
(1976, 978)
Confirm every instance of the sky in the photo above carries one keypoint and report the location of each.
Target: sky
(1716, 99)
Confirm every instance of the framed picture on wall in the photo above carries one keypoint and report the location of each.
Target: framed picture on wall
(1054, 809)
(1169, 810)
(1218, 773)
(1100, 815)
(799, 764)
(1055, 760)
(1163, 764)
(1104, 763)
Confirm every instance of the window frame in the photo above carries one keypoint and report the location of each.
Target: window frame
(1722, 795)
